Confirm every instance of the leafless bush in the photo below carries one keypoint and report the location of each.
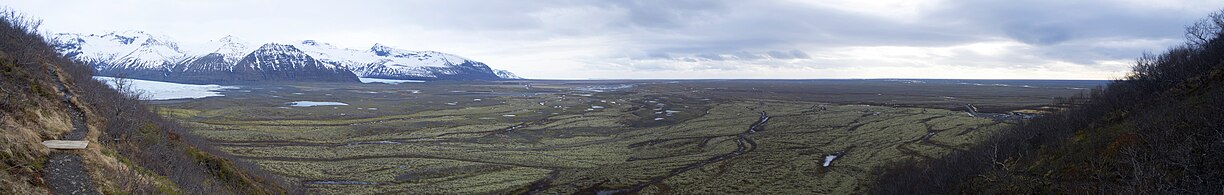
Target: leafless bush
(1158, 131)
(27, 62)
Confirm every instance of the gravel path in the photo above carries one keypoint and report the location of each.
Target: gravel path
(65, 171)
(65, 174)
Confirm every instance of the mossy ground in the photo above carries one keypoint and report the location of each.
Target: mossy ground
(505, 137)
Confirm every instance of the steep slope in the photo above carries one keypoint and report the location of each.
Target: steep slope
(285, 62)
(131, 150)
(381, 61)
(140, 55)
(232, 48)
(504, 74)
(213, 58)
(134, 54)
(210, 68)
(1159, 131)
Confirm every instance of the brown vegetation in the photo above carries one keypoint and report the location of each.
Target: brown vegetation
(1158, 131)
(132, 149)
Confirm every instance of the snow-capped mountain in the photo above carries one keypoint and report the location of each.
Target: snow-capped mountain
(130, 53)
(231, 48)
(141, 55)
(284, 62)
(216, 55)
(505, 74)
(381, 61)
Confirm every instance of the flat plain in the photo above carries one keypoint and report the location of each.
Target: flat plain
(564, 137)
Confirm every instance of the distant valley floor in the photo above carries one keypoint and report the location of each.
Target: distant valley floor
(692, 136)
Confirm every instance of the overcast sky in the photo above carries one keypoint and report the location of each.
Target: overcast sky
(1003, 39)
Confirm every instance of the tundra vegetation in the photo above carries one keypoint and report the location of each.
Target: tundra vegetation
(763, 137)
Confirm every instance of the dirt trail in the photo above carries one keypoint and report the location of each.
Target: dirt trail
(65, 170)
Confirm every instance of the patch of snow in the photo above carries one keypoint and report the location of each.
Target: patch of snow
(505, 74)
(313, 103)
(604, 88)
(157, 90)
(387, 81)
(829, 160)
(670, 112)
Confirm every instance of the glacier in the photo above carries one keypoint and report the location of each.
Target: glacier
(157, 90)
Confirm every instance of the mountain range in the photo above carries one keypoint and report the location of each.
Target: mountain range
(141, 55)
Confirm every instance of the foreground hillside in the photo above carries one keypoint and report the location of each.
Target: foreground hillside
(131, 150)
(1158, 131)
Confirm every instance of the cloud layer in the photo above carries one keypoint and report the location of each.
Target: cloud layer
(1043, 39)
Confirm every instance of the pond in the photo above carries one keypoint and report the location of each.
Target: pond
(313, 103)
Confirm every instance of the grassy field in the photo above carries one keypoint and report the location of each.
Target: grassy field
(596, 136)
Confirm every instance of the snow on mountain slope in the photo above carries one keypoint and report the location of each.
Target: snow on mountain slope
(381, 61)
(379, 54)
(136, 54)
(273, 56)
(128, 50)
(286, 63)
(504, 74)
(232, 48)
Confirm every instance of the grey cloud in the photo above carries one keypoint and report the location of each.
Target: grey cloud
(1037, 34)
(665, 33)
(658, 55)
(668, 14)
(799, 54)
(780, 55)
(709, 56)
(744, 55)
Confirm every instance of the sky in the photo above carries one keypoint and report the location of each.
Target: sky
(688, 39)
